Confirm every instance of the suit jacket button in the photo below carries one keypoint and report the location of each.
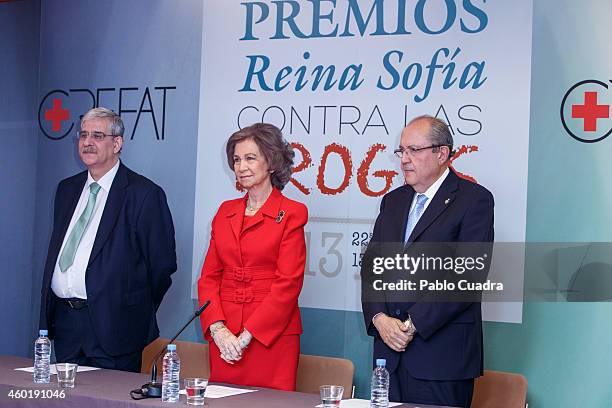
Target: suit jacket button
(397, 312)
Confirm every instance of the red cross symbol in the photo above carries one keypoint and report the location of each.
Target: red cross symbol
(56, 115)
(590, 111)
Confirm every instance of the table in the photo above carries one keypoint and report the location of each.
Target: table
(111, 389)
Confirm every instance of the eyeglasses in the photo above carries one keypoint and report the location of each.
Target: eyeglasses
(413, 150)
(99, 136)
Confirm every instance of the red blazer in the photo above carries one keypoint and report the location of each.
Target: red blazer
(253, 276)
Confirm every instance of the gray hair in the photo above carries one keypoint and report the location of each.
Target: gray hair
(116, 124)
(439, 133)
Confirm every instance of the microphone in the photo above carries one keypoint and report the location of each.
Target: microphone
(153, 389)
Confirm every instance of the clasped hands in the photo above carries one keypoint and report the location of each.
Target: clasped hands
(395, 333)
(231, 347)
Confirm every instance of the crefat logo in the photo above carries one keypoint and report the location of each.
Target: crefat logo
(60, 111)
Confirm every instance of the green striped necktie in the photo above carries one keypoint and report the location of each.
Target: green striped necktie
(69, 252)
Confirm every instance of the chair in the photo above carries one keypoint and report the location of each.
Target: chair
(314, 371)
(194, 358)
(496, 389)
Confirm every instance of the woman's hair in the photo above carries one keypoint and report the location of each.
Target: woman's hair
(277, 152)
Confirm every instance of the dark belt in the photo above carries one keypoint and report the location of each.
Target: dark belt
(74, 303)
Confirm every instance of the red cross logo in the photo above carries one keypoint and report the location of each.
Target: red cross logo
(590, 111)
(57, 115)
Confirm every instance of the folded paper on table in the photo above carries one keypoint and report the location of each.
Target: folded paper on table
(220, 391)
(53, 371)
(359, 403)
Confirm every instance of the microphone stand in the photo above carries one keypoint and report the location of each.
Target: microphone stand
(153, 389)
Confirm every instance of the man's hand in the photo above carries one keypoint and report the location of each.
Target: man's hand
(226, 341)
(393, 332)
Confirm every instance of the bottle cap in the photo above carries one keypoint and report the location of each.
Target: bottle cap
(171, 347)
(381, 362)
(43, 332)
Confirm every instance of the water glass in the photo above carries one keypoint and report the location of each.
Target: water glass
(66, 373)
(195, 389)
(331, 395)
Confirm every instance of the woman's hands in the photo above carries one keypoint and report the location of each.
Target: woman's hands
(226, 341)
(245, 339)
(231, 347)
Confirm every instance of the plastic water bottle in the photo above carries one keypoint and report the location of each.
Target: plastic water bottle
(172, 369)
(380, 385)
(42, 355)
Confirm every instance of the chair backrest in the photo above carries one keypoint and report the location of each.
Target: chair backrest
(314, 371)
(194, 358)
(496, 389)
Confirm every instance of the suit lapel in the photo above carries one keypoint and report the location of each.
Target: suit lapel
(236, 216)
(114, 203)
(72, 199)
(440, 202)
(269, 209)
(68, 204)
(404, 210)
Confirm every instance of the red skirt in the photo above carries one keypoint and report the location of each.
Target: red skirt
(260, 366)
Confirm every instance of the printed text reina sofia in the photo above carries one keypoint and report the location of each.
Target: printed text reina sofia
(285, 19)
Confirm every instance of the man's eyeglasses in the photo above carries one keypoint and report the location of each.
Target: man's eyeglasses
(99, 136)
(413, 150)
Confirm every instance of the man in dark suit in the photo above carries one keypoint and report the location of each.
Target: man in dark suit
(110, 257)
(433, 348)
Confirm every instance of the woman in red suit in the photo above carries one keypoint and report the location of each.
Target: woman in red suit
(254, 269)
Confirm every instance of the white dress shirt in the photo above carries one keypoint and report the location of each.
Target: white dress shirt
(430, 192)
(71, 282)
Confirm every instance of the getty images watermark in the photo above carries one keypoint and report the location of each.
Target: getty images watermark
(487, 272)
(439, 271)
(411, 265)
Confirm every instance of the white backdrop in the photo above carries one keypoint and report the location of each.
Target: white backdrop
(379, 63)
